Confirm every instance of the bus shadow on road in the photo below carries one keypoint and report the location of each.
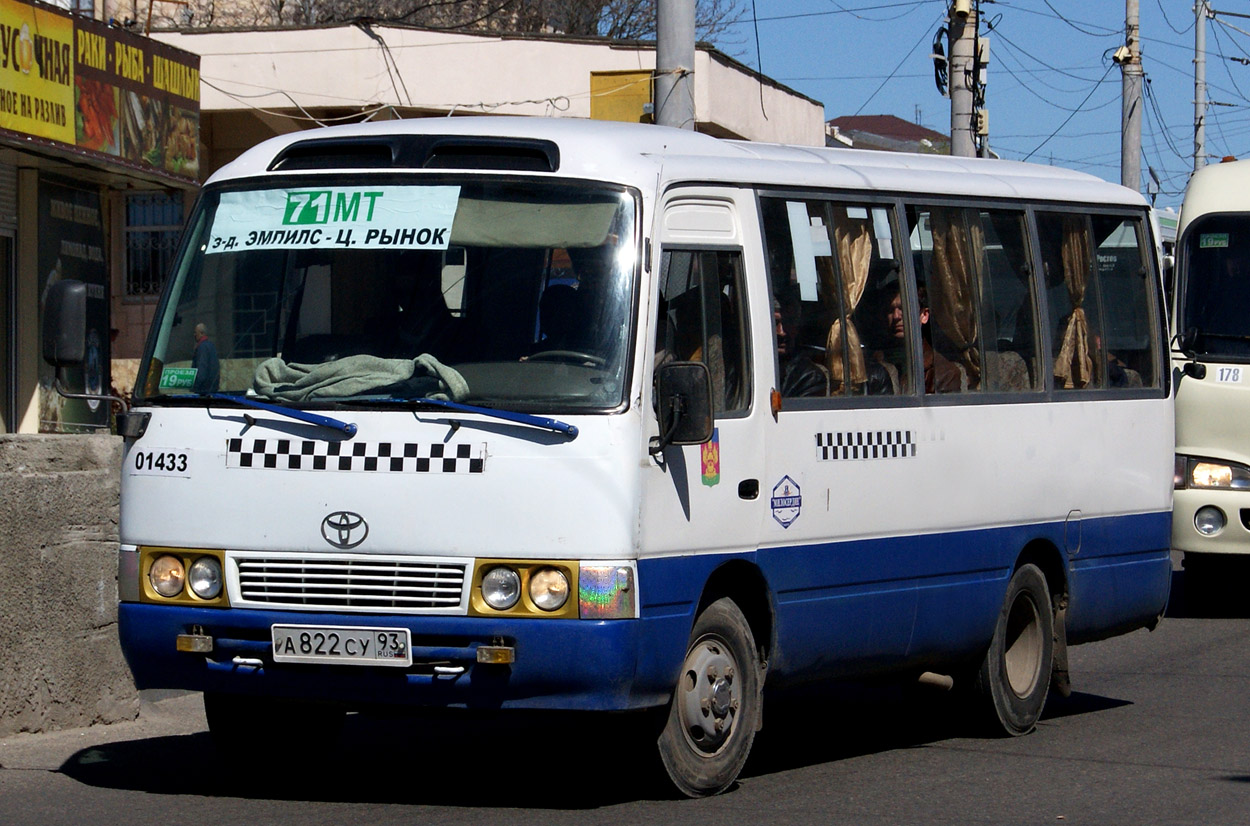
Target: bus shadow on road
(541, 763)
(555, 762)
(1214, 590)
(814, 727)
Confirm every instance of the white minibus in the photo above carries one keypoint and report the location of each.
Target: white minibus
(500, 414)
(1211, 357)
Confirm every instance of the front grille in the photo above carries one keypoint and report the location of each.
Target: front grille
(395, 585)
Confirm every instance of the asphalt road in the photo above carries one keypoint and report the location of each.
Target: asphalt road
(1157, 731)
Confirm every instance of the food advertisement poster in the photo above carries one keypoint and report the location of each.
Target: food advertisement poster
(102, 90)
(71, 245)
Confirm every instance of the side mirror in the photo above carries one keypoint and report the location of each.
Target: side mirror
(1168, 262)
(683, 392)
(1187, 341)
(65, 324)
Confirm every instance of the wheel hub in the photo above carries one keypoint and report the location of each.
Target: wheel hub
(710, 695)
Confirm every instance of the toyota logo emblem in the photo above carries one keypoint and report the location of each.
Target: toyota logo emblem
(344, 529)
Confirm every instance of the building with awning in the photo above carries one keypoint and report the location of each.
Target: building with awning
(99, 143)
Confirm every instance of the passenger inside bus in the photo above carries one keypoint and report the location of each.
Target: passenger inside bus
(941, 375)
(798, 374)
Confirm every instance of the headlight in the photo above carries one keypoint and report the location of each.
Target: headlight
(1209, 520)
(205, 578)
(167, 576)
(1204, 474)
(549, 589)
(501, 587)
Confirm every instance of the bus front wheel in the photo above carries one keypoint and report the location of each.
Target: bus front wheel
(1013, 679)
(716, 704)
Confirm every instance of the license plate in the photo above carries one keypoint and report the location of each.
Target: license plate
(341, 645)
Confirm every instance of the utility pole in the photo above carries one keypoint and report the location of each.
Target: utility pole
(1129, 58)
(963, 43)
(674, 63)
(1203, 10)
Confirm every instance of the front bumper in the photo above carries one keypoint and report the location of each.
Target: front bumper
(1234, 538)
(560, 664)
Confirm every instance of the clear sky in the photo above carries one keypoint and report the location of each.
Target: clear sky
(1053, 92)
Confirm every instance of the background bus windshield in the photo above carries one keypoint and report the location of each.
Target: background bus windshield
(1216, 281)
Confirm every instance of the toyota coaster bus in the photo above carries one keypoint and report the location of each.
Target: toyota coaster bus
(550, 414)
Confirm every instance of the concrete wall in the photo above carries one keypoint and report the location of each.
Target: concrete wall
(60, 663)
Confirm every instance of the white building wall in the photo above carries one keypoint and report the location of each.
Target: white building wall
(282, 71)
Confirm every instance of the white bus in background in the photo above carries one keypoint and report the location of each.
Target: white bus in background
(549, 414)
(1211, 353)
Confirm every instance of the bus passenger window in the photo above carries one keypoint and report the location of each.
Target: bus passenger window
(1126, 288)
(829, 263)
(977, 316)
(702, 314)
(1072, 296)
(946, 242)
(1008, 310)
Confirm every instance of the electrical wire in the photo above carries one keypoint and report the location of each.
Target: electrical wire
(1167, 20)
(923, 37)
(1061, 18)
(852, 13)
(844, 10)
(1069, 117)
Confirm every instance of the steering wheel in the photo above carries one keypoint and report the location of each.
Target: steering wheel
(569, 356)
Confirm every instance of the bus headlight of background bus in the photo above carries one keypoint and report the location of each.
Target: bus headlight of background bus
(1209, 520)
(1208, 474)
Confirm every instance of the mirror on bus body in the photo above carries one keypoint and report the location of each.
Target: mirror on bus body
(683, 392)
(1193, 368)
(65, 324)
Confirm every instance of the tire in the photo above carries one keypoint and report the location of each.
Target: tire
(715, 709)
(1014, 678)
(249, 730)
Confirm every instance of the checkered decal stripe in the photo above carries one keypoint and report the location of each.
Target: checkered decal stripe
(865, 444)
(380, 457)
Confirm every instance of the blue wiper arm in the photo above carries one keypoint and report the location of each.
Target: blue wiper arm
(554, 425)
(348, 428)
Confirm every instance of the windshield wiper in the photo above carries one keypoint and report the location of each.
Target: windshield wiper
(554, 425)
(348, 428)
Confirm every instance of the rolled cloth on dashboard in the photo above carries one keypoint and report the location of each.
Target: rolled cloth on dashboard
(351, 376)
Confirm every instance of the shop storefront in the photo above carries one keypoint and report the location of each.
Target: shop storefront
(99, 154)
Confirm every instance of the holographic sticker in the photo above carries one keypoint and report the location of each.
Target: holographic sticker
(605, 592)
(710, 456)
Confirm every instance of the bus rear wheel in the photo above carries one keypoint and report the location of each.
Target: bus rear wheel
(715, 709)
(1014, 678)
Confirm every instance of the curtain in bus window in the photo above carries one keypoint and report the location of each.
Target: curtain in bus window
(1008, 324)
(854, 251)
(957, 244)
(1074, 367)
(1127, 309)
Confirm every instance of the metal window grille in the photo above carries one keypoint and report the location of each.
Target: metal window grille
(153, 225)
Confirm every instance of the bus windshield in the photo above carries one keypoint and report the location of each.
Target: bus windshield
(1216, 284)
(513, 294)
